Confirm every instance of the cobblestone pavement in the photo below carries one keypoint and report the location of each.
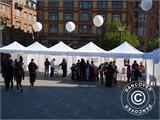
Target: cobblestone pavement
(65, 99)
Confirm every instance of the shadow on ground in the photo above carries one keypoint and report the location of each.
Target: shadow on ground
(85, 101)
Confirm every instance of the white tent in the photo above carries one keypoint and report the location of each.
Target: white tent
(90, 49)
(152, 55)
(61, 49)
(14, 47)
(153, 65)
(36, 48)
(125, 50)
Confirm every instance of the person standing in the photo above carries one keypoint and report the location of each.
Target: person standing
(64, 67)
(110, 73)
(8, 74)
(129, 73)
(19, 75)
(32, 71)
(88, 66)
(115, 73)
(52, 63)
(46, 67)
(101, 68)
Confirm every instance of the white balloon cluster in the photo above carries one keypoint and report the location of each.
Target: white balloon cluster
(37, 26)
(146, 5)
(70, 26)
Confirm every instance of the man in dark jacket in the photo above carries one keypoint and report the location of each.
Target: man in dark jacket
(19, 75)
(64, 67)
(8, 73)
(32, 71)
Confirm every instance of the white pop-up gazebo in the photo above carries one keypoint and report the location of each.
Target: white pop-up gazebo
(61, 49)
(153, 66)
(14, 47)
(90, 49)
(36, 48)
(125, 50)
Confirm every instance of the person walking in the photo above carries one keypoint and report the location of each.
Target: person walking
(19, 75)
(46, 67)
(52, 63)
(8, 73)
(64, 67)
(32, 72)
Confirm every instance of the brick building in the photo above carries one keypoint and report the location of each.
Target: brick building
(17, 17)
(54, 14)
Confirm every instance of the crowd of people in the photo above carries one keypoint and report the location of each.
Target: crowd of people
(13, 70)
(83, 70)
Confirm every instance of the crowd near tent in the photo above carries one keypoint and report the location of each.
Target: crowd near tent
(89, 51)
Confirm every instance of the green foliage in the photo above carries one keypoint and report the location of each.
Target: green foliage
(154, 44)
(112, 37)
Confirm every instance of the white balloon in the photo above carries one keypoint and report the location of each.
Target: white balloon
(37, 26)
(70, 26)
(98, 20)
(146, 5)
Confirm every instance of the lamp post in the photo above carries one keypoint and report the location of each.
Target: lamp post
(98, 22)
(37, 27)
(70, 27)
(121, 29)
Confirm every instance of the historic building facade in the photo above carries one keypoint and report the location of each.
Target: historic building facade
(54, 14)
(17, 18)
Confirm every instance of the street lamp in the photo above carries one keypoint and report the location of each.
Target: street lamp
(98, 22)
(37, 27)
(70, 27)
(121, 29)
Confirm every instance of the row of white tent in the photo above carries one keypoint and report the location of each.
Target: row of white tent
(125, 50)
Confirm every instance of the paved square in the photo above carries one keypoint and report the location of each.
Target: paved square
(65, 99)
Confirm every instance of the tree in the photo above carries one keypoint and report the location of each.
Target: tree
(154, 44)
(111, 37)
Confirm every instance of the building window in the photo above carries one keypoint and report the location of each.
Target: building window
(141, 31)
(30, 28)
(104, 16)
(85, 4)
(141, 18)
(158, 32)
(7, 9)
(53, 3)
(116, 17)
(25, 15)
(68, 16)
(34, 18)
(29, 16)
(18, 13)
(102, 4)
(84, 29)
(68, 4)
(117, 4)
(25, 26)
(53, 29)
(84, 17)
(18, 25)
(53, 16)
